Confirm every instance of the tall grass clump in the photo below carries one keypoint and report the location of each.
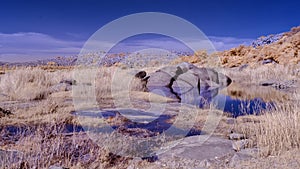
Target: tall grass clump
(112, 81)
(26, 84)
(263, 73)
(278, 131)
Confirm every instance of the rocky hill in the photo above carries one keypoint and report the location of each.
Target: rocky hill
(282, 48)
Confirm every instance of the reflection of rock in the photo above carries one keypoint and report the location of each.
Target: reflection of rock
(279, 85)
(186, 82)
(249, 92)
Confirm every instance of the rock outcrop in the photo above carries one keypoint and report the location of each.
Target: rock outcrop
(266, 40)
(185, 82)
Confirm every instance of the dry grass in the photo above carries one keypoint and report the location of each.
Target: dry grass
(47, 145)
(287, 160)
(255, 75)
(115, 84)
(31, 83)
(43, 140)
(279, 131)
(274, 132)
(200, 58)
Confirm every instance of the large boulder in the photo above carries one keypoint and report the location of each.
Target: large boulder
(186, 82)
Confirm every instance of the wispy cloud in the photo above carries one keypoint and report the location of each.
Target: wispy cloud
(225, 43)
(19, 47)
(31, 46)
(219, 43)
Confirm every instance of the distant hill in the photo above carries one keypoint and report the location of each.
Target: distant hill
(281, 48)
(59, 61)
(3, 63)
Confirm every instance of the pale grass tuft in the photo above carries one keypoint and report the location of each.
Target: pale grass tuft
(279, 130)
(255, 75)
(274, 132)
(25, 84)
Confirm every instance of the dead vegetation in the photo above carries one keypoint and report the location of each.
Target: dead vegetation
(274, 132)
(285, 52)
(27, 84)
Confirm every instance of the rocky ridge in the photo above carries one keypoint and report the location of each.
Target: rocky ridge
(282, 48)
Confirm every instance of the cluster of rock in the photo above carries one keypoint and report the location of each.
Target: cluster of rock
(4, 112)
(239, 141)
(63, 85)
(105, 59)
(185, 82)
(266, 40)
(60, 61)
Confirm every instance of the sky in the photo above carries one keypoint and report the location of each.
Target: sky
(38, 29)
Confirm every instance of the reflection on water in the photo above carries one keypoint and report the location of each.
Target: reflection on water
(137, 122)
(158, 125)
(208, 96)
(239, 107)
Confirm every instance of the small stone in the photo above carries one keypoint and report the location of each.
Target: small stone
(230, 120)
(68, 81)
(267, 61)
(239, 145)
(150, 159)
(236, 136)
(267, 83)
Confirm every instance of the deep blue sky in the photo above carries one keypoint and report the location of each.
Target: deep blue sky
(76, 20)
